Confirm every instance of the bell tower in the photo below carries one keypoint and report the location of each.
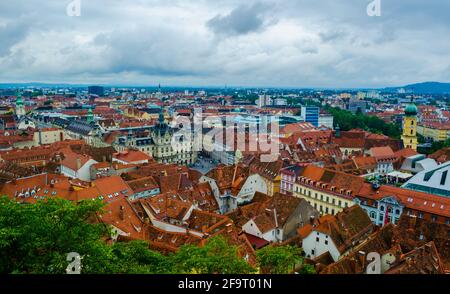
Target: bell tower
(20, 108)
(409, 136)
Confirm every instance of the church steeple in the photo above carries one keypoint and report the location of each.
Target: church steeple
(19, 100)
(90, 116)
(20, 108)
(409, 136)
(338, 131)
(161, 119)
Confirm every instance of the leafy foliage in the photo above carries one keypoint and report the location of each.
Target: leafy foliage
(36, 239)
(279, 259)
(216, 257)
(347, 121)
(439, 145)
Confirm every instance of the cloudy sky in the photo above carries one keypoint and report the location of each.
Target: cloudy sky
(286, 43)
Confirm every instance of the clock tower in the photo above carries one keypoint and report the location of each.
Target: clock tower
(409, 136)
(20, 108)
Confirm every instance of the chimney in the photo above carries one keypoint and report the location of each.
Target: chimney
(122, 213)
(78, 163)
(235, 172)
(362, 258)
(275, 216)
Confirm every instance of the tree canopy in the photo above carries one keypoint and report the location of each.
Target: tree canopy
(347, 121)
(37, 238)
(280, 259)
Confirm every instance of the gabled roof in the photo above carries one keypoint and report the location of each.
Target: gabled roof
(71, 159)
(347, 227)
(39, 187)
(422, 260)
(106, 189)
(414, 200)
(133, 156)
(120, 214)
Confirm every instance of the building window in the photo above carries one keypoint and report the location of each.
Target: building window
(317, 239)
(326, 242)
(434, 218)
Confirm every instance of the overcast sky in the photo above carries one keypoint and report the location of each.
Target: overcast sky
(289, 43)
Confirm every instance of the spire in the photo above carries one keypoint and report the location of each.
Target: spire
(20, 108)
(90, 116)
(19, 100)
(338, 131)
(411, 109)
(161, 117)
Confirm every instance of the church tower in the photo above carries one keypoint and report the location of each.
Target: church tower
(90, 116)
(20, 108)
(409, 136)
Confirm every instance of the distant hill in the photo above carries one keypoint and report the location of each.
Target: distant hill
(425, 88)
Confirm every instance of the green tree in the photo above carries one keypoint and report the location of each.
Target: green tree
(438, 145)
(279, 259)
(36, 238)
(347, 121)
(215, 257)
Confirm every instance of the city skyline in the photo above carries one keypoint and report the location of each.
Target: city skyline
(289, 44)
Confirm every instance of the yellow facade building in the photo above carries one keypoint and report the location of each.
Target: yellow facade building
(434, 131)
(327, 191)
(409, 136)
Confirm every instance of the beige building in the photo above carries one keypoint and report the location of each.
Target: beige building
(434, 131)
(162, 142)
(327, 191)
(48, 136)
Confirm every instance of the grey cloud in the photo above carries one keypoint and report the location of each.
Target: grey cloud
(298, 43)
(332, 35)
(243, 19)
(10, 34)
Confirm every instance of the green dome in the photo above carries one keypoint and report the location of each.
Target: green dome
(411, 109)
(19, 100)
